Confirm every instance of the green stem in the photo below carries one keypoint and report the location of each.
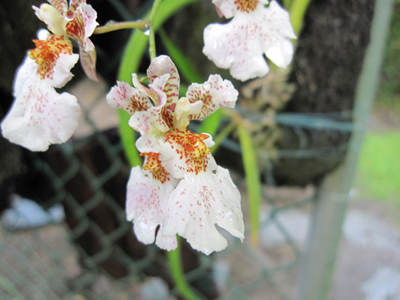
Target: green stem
(174, 260)
(109, 27)
(252, 179)
(152, 41)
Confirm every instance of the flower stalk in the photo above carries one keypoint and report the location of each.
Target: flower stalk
(113, 26)
(152, 42)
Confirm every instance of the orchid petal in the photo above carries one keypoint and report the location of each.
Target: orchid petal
(152, 117)
(145, 206)
(158, 87)
(185, 152)
(278, 48)
(60, 5)
(74, 4)
(62, 74)
(52, 17)
(197, 204)
(163, 65)
(240, 44)
(39, 116)
(88, 62)
(215, 93)
(125, 97)
(143, 89)
(168, 243)
(81, 27)
(229, 8)
(151, 127)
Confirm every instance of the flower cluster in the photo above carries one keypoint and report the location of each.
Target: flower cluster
(180, 188)
(39, 115)
(255, 30)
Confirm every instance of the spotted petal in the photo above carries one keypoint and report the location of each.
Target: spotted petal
(240, 44)
(215, 93)
(39, 116)
(185, 152)
(125, 97)
(197, 204)
(163, 65)
(145, 204)
(82, 25)
(151, 127)
(60, 5)
(74, 4)
(80, 28)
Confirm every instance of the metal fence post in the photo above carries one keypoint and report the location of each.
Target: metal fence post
(330, 208)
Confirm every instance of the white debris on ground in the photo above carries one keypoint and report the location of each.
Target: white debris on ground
(221, 272)
(384, 284)
(366, 231)
(154, 288)
(24, 213)
(295, 222)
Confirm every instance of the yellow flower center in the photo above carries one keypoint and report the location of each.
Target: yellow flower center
(194, 151)
(246, 5)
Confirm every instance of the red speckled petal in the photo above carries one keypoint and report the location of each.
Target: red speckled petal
(125, 97)
(88, 62)
(60, 5)
(163, 65)
(215, 93)
(184, 152)
(145, 204)
(80, 28)
(240, 44)
(197, 204)
(39, 116)
(82, 25)
(74, 4)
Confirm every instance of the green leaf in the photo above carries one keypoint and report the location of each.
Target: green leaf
(222, 135)
(211, 123)
(297, 11)
(252, 180)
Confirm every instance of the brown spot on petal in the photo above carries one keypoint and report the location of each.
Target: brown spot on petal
(155, 167)
(47, 53)
(194, 151)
